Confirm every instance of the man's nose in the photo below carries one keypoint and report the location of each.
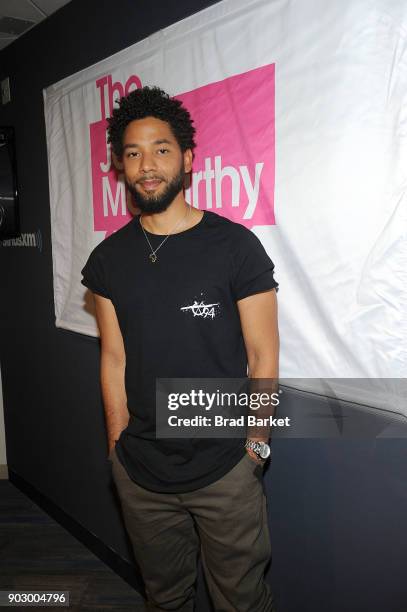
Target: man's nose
(147, 162)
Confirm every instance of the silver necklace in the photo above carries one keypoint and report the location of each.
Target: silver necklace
(153, 255)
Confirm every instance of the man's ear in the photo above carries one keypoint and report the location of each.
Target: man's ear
(117, 161)
(188, 157)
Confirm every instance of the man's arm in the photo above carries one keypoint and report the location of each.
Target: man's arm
(112, 370)
(259, 321)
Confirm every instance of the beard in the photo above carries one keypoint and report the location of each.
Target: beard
(160, 202)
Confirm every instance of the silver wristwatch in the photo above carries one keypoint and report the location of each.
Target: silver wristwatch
(260, 448)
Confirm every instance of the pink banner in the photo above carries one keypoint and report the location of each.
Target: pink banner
(234, 165)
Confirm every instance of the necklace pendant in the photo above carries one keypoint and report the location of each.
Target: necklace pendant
(153, 257)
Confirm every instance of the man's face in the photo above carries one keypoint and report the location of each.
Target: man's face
(154, 165)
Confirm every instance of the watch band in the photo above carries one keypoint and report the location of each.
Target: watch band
(260, 448)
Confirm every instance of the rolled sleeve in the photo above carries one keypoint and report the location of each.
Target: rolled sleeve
(95, 276)
(254, 270)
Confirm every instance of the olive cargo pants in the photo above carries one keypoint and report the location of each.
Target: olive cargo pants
(226, 521)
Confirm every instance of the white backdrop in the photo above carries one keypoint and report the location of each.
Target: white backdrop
(329, 81)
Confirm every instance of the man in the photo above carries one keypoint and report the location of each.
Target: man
(182, 293)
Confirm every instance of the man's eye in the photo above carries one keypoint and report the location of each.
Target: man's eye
(132, 153)
(163, 151)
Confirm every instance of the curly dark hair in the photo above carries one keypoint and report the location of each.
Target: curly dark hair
(150, 102)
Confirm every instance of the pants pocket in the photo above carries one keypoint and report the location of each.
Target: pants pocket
(257, 468)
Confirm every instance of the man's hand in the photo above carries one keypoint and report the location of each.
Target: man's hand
(111, 446)
(254, 457)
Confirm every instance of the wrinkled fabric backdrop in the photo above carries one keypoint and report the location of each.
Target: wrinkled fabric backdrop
(301, 117)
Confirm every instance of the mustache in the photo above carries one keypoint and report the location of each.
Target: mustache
(150, 178)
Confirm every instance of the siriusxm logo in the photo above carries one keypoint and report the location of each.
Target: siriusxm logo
(33, 239)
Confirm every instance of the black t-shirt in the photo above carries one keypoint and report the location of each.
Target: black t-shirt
(215, 262)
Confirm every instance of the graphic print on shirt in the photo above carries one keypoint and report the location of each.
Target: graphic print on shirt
(202, 308)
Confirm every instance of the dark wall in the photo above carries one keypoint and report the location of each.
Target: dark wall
(53, 410)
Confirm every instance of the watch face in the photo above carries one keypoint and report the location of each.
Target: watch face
(264, 451)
